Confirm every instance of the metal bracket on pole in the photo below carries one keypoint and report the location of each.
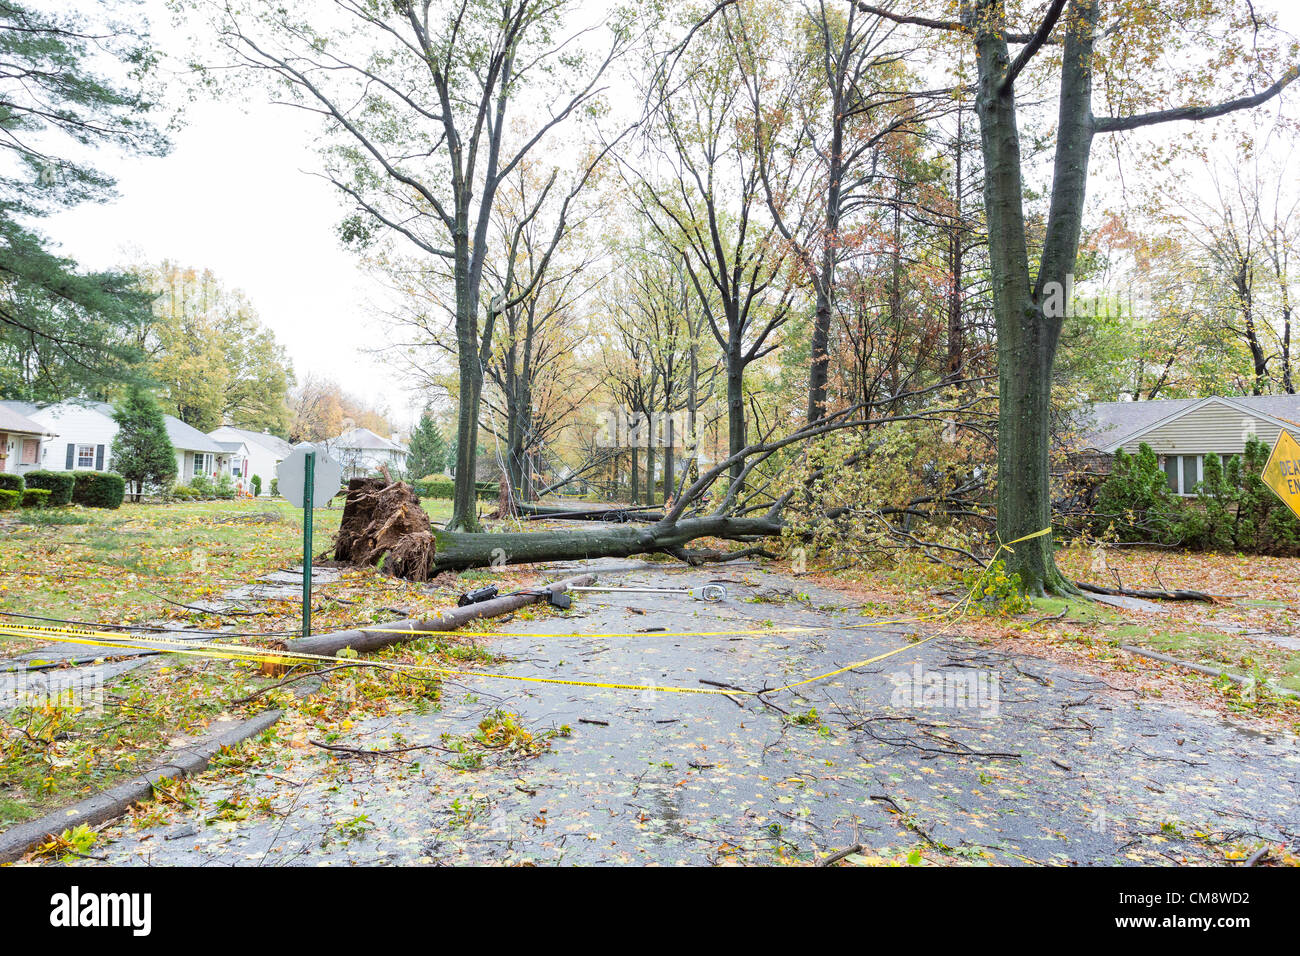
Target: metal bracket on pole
(308, 505)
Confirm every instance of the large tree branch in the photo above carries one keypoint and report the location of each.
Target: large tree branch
(951, 26)
(1035, 43)
(1116, 124)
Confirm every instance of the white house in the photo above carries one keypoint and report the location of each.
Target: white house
(234, 462)
(20, 441)
(261, 453)
(77, 434)
(1183, 431)
(361, 452)
(79, 437)
(196, 453)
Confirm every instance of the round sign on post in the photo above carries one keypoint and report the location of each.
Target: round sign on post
(290, 477)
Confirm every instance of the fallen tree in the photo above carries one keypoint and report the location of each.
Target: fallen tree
(1151, 594)
(616, 513)
(384, 523)
(459, 551)
(743, 498)
(747, 509)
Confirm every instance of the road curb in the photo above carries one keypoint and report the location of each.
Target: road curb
(114, 802)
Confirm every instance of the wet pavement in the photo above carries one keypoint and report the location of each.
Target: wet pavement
(949, 748)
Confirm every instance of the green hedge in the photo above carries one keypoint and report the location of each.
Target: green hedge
(440, 487)
(8, 499)
(1232, 509)
(99, 489)
(36, 498)
(433, 487)
(58, 483)
(224, 488)
(12, 482)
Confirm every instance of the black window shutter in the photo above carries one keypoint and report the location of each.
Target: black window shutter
(99, 457)
(72, 453)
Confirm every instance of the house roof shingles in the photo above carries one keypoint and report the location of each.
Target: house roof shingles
(12, 419)
(182, 436)
(365, 439)
(188, 438)
(266, 440)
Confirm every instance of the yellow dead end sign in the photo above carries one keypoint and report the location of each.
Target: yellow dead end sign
(1282, 473)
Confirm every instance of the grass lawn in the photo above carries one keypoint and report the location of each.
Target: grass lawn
(124, 566)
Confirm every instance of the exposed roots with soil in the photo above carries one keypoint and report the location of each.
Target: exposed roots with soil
(383, 522)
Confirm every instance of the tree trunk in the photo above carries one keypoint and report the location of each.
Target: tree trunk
(1288, 383)
(456, 551)
(819, 369)
(692, 410)
(395, 632)
(464, 502)
(1024, 414)
(1242, 282)
(956, 252)
(1027, 337)
(650, 464)
(636, 474)
(669, 463)
(735, 403)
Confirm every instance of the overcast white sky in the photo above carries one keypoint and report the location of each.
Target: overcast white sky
(235, 196)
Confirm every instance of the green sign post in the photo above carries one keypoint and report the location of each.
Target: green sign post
(306, 476)
(309, 481)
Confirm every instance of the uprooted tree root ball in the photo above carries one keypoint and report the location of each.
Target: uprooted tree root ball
(383, 522)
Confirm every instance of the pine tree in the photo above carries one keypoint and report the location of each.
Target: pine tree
(64, 330)
(428, 452)
(142, 452)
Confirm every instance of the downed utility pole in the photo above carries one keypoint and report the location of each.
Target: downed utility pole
(363, 640)
(707, 592)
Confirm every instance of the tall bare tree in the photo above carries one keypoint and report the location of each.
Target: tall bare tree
(417, 98)
(821, 119)
(709, 205)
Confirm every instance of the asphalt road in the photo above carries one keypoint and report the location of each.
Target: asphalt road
(947, 748)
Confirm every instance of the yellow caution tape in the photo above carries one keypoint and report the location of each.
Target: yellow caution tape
(106, 639)
(259, 655)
